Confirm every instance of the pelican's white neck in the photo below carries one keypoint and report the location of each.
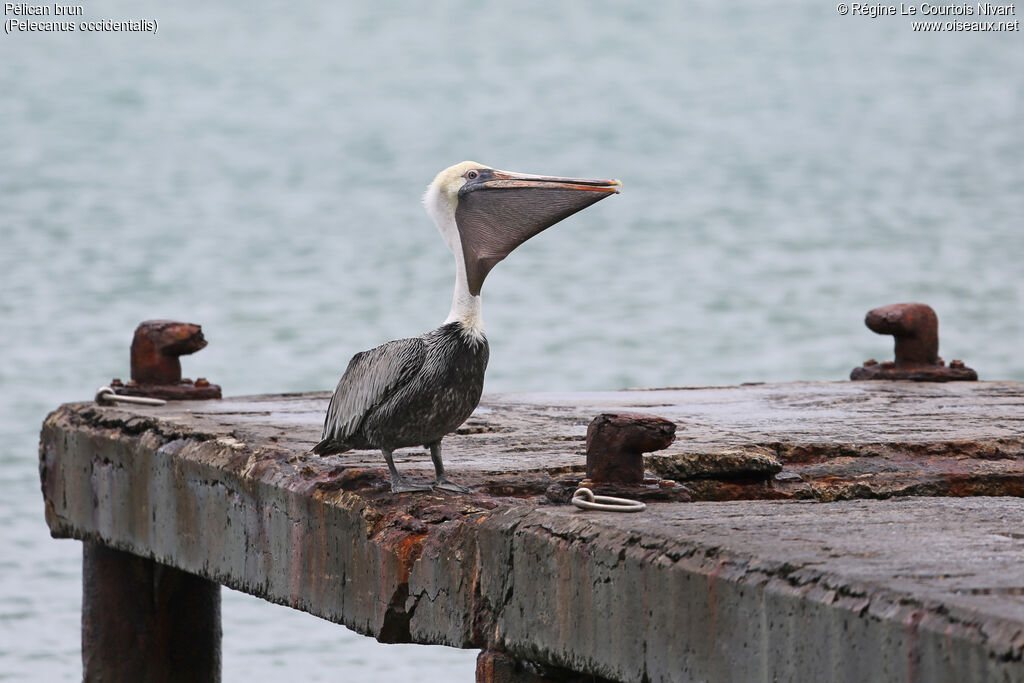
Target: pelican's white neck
(465, 306)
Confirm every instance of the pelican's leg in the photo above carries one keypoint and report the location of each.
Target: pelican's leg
(441, 481)
(400, 484)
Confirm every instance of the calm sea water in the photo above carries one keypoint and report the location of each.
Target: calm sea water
(257, 167)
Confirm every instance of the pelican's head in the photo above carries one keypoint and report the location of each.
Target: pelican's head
(484, 214)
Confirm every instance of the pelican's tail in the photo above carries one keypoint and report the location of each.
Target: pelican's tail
(330, 447)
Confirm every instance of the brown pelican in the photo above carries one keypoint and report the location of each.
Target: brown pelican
(412, 392)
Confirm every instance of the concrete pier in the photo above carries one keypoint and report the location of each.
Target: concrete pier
(869, 556)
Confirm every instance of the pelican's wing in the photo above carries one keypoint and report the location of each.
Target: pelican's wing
(371, 378)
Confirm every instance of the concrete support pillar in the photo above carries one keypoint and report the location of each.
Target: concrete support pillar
(498, 667)
(145, 621)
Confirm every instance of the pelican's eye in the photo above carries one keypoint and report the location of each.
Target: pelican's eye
(472, 175)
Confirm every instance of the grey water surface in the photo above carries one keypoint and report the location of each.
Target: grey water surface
(257, 168)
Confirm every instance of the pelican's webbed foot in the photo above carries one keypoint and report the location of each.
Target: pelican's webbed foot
(403, 485)
(400, 484)
(441, 480)
(446, 484)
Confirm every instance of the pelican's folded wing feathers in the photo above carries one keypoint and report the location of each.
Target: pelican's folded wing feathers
(371, 379)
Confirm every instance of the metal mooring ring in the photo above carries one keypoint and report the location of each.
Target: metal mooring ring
(106, 396)
(584, 499)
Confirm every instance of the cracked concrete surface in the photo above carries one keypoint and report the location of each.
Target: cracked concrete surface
(910, 588)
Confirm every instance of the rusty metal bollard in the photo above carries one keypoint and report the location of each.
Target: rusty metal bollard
(916, 330)
(616, 443)
(155, 364)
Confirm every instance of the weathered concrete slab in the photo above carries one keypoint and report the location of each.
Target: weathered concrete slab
(903, 590)
(925, 589)
(532, 429)
(837, 440)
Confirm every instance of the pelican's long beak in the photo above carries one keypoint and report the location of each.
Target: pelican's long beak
(499, 210)
(507, 179)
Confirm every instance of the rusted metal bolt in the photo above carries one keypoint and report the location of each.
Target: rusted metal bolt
(116, 382)
(202, 382)
(616, 443)
(869, 362)
(956, 364)
(157, 346)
